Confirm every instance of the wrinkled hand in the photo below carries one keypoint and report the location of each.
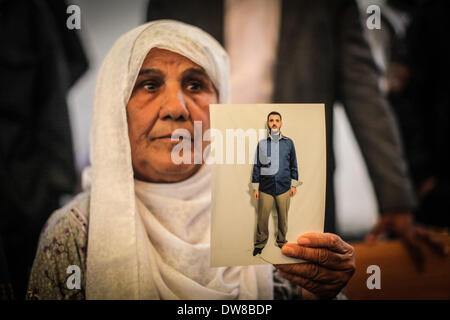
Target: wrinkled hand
(402, 225)
(292, 191)
(330, 263)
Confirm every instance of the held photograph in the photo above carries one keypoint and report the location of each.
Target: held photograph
(268, 180)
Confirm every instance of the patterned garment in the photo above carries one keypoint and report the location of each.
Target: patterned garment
(63, 243)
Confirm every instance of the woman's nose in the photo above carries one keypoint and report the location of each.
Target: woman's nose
(174, 104)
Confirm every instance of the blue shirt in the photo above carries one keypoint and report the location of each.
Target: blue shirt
(275, 174)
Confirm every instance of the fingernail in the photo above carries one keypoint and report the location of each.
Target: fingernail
(303, 241)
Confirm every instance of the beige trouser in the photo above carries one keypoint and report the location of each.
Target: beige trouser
(265, 205)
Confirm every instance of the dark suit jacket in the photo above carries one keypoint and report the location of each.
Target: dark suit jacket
(323, 58)
(40, 59)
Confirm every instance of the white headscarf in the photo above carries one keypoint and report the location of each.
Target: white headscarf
(123, 260)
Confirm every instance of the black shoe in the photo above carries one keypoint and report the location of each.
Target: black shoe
(257, 251)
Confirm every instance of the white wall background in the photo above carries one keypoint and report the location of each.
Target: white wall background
(356, 207)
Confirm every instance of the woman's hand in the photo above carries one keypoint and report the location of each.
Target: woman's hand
(330, 263)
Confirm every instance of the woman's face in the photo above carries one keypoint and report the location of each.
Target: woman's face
(171, 92)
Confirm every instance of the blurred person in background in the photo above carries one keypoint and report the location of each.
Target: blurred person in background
(415, 61)
(430, 65)
(40, 60)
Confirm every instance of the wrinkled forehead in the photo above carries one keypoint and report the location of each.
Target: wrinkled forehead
(157, 57)
(187, 41)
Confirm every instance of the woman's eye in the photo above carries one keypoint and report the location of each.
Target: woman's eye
(150, 86)
(194, 86)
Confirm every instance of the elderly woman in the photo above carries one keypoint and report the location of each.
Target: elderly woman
(141, 230)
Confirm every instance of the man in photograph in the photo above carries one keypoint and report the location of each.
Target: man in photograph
(274, 178)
